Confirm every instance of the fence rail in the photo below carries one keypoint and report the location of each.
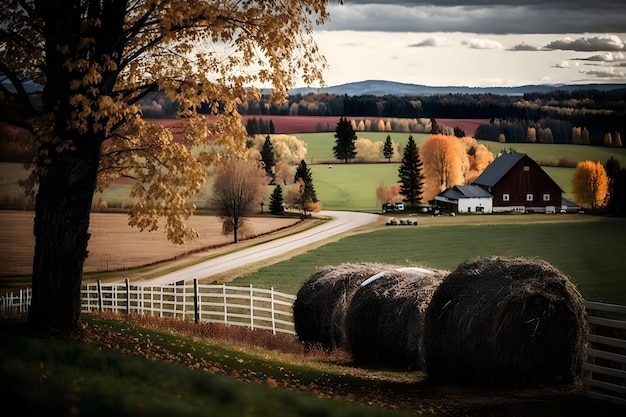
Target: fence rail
(605, 364)
(239, 306)
(604, 368)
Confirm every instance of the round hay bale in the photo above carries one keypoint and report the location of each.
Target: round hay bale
(511, 321)
(319, 308)
(384, 321)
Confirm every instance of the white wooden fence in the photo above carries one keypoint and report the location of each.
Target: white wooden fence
(605, 365)
(240, 306)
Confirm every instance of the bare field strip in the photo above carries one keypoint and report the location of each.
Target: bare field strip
(115, 246)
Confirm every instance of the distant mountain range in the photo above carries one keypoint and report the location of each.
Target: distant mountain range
(382, 87)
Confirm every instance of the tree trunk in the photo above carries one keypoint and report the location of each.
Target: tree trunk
(61, 233)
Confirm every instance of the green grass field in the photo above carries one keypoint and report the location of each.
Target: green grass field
(590, 250)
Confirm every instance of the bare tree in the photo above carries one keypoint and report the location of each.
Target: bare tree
(240, 185)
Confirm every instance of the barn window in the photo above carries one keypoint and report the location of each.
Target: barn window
(529, 197)
(505, 197)
(546, 197)
(526, 168)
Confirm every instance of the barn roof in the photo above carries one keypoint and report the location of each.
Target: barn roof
(464, 191)
(498, 168)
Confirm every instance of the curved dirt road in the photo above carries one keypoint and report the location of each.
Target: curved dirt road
(341, 222)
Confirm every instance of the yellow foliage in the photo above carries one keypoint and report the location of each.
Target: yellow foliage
(195, 51)
(367, 150)
(590, 184)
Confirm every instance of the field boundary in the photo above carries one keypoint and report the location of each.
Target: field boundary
(605, 363)
(250, 307)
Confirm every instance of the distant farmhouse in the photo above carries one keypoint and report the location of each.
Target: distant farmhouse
(513, 182)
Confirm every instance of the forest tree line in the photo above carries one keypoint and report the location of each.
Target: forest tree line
(584, 116)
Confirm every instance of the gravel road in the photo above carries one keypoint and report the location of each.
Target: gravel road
(341, 222)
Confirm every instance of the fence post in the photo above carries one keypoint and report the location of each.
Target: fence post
(127, 296)
(251, 307)
(225, 303)
(196, 304)
(99, 296)
(273, 313)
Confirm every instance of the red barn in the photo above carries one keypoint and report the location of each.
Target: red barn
(517, 183)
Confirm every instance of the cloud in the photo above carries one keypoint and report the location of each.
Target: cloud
(525, 47)
(433, 41)
(483, 17)
(482, 44)
(596, 43)
(607, 73)
(607, 57)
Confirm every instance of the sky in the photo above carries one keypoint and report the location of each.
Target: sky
(475, 43)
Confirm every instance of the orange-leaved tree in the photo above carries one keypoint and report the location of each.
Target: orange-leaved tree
(590, 184)
(73, 73)
(389, 194)
(449, 160)
(444, 162)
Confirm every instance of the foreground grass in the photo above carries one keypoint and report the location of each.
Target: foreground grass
(138, 366)
(123, 369)
(590, 250)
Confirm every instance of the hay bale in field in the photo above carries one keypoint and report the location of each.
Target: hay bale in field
(384, 321)
(512, 321)
(319, 308)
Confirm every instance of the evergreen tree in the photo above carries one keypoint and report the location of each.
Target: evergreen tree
(268, 157)
(410, 173)
(616, 198)
(252, 127)
(388, 149)
(272, 128)
(303, 172)
(345, 139)
(276, 201)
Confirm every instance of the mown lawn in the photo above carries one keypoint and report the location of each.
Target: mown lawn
(591, 252)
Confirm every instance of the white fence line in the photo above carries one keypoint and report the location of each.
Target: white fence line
(239, 306)
(605, 364)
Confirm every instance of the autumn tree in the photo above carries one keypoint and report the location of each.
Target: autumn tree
(283, 174)
(267, 157)
(477, 157)
(277, 205)
(345, 139)
(391, 194)
(388, 150)
(590, 184)
(239, 186)
(91, 62)
(410, 173)
(367, 150)
(299, 198)
(444, 163)
(288, 149)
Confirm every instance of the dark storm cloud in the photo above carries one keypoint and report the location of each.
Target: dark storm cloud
(496, 17)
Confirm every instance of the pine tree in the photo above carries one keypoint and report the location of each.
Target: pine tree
(276, 201)
(345, 139)
(268, 157)
(252, 127)
(304, 173)
(388, 149)
(410, 173)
